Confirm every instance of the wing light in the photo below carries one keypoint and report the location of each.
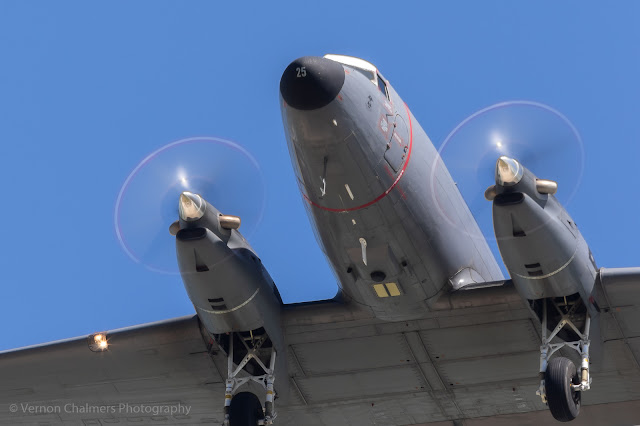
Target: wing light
(98, 342)
(191, 206)
(508, 171)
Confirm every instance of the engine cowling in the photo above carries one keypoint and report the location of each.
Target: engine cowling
(224, 278)
(540, 243)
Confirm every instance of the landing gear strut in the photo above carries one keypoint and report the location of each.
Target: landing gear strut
(244, 409)
(560, 384)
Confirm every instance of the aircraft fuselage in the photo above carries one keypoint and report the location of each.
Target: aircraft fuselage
(386, 211)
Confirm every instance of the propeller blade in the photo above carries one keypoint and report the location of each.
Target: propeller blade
(539, 137)
(216, 170)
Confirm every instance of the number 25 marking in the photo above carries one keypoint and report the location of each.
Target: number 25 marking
(302, 72)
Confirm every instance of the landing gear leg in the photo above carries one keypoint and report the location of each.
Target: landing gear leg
(266, 380)
(560, 384)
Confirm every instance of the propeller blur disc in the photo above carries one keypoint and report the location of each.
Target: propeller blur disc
(541, 138)
(224, 173)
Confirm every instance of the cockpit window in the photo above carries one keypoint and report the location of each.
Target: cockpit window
(365, 68)
(370, 75)
(382, 86)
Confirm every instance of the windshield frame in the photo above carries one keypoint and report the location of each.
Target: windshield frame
(358, 64)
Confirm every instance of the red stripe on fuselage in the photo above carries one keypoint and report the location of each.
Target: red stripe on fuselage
(384, 194)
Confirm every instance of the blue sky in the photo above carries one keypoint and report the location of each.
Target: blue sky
(88, 90)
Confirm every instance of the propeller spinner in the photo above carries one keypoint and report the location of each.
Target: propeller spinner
(509, 172)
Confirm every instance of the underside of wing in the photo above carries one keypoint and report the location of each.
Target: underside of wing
(475, 357)
(620, 289)
(159, 372)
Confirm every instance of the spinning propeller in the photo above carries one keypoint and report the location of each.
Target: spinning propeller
(173, 182)
(495, 142)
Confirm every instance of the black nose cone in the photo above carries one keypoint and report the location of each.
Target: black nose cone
(311, 82)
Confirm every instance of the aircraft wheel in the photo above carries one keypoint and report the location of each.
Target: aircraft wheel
(245, 410)
(564, 402)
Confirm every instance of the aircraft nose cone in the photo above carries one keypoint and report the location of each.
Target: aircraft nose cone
(311, 82)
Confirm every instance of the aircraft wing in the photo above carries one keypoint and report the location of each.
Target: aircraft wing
(148, 371)
(475, 357)
(471, 358)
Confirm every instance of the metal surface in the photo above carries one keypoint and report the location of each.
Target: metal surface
(370, 141)
(229, 222)
(427, 372)
(545, 186)
(540, 243)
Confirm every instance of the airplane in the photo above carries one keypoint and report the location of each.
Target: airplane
(425, 329)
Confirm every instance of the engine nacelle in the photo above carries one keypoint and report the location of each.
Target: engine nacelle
(224, 278)
(234, 296)
(540, 243)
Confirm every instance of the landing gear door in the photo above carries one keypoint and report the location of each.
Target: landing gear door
(398, 145)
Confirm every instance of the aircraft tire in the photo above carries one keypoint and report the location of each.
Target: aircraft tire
(564, 402)
(245, 410)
